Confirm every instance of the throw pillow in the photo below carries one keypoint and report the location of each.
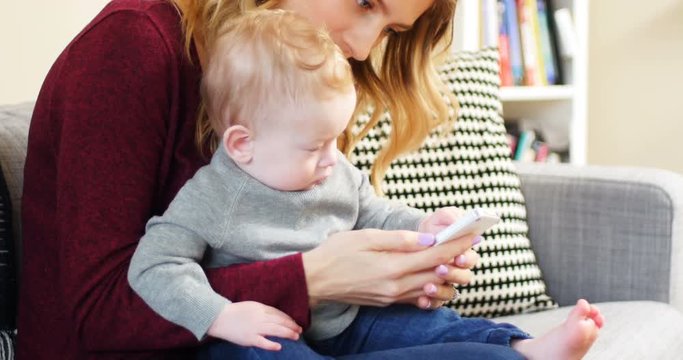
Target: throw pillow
(7, 275)
(471, 167)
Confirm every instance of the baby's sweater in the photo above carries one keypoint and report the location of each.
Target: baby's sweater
(223, 216)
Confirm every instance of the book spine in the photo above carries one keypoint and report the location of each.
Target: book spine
(541, 151)
(529, 51)
(506, 78)
(490, 23)
(566, 32)
(516, 62)
(532, 9)
(547, 46)
(523, 150)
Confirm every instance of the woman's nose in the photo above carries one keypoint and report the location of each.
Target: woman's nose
(363, 39)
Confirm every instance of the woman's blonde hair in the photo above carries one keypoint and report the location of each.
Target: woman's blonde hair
(269, 51)
(398, 76)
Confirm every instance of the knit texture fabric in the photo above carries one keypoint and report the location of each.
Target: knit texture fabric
(469, 166)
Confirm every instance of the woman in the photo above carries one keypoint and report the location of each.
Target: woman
(114, 136)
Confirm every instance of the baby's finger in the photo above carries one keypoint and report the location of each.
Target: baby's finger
(276, 316)
(279, 331)
(263, 343)
(448, 215)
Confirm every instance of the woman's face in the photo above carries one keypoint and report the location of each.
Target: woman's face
(356, 26)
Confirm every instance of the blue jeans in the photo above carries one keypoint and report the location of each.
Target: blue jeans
(396, 332)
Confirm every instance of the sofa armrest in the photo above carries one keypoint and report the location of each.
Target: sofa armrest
(606, 233)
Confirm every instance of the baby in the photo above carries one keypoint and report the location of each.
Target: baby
(279, 93)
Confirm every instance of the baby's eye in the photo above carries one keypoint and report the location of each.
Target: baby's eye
(365, 4)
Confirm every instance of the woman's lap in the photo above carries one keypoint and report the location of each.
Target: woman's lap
(295, 350)
(396, 332)
(376, 329)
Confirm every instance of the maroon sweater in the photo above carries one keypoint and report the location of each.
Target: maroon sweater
(111, 142)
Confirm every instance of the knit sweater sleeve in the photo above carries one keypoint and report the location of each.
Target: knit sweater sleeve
(165, 270)
(99, 139)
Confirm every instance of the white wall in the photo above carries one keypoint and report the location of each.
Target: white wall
(635, 100)
(32, 34)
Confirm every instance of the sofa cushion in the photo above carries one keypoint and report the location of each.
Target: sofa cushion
(633, 329)
(471, 167)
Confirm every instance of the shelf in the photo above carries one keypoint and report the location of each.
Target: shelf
(536, 93)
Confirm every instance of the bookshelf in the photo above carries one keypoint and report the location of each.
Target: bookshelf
(557, 111)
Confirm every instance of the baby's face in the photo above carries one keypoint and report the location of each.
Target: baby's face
(299, 150)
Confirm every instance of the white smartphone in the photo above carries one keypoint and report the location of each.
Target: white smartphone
(475, 221)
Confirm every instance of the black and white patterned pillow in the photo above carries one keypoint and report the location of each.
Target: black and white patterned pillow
(471, 167)
(7, 275)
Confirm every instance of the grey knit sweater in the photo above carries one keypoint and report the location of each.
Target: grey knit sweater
(223, 216)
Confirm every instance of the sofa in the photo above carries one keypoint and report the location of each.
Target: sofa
(612, 235)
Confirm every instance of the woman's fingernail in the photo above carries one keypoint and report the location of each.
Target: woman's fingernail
(477, 240)
(442, 270)
(426, 239)
(460, 260)
(431, 289)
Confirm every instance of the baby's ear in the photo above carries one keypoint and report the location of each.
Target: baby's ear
(237, 142)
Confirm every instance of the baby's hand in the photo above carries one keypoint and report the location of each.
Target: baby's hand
(440, 219)
(248, 323)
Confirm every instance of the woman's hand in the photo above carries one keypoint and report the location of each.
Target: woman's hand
(441, 291)
(379, 268)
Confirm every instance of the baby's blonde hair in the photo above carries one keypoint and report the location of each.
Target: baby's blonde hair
(266, 61)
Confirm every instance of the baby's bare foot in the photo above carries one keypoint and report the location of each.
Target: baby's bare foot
(568, 341)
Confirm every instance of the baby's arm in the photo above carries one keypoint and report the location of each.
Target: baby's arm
(377, 212)
(166, 273)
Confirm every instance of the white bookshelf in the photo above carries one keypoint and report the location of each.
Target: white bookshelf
(561, 109)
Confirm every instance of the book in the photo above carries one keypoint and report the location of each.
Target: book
(490, 23)
(532, 6)
(541, 150)
(566, 33)
(554, 38)
(512, 143)
(548, 51)
(506, 78)
(529, 44)
(524, 151)
(511, 21)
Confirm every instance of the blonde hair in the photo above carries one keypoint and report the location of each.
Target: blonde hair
(266, 60)
(398, 76)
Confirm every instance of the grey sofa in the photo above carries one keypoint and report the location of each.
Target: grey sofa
(611, 235)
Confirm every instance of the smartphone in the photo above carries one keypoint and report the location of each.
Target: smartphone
(475, 221)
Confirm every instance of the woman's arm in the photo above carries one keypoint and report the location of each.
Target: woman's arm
(101, 152)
